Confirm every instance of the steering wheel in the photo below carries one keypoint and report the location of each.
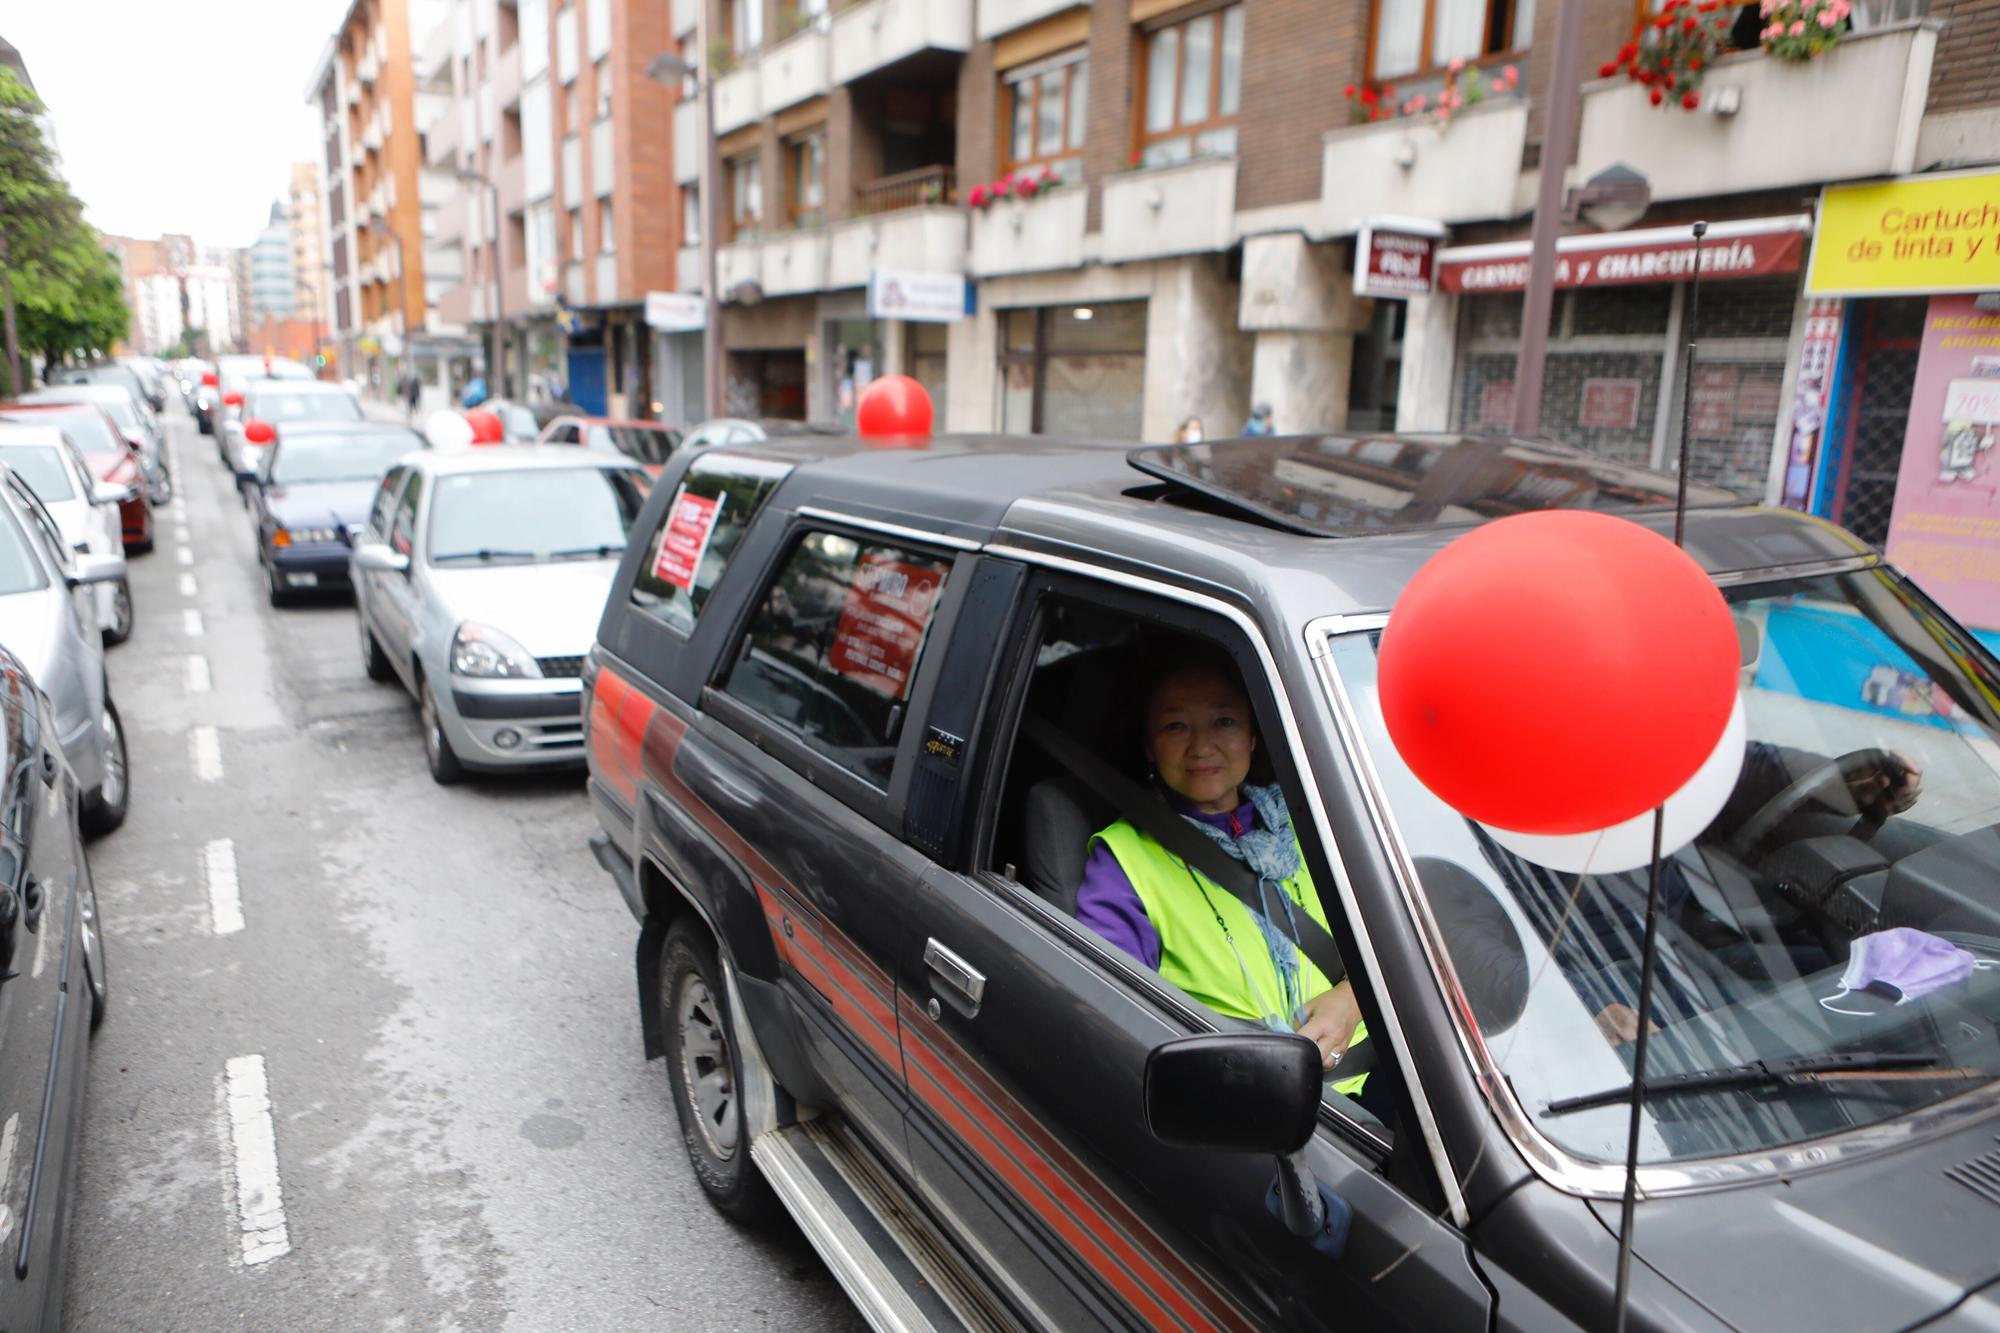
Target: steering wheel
(1829, 779)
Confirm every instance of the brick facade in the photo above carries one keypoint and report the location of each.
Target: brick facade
(1967, 71)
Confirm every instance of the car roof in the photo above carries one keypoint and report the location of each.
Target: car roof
(299, 386)
(1074, 496)
(21, 432)
(289, 428)
(515, 457)
(571, 418)
(90, 392)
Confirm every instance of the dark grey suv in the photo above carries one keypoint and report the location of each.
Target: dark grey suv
(855, 715)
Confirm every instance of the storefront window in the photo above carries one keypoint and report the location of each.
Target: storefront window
(1074, 371)
(855, 360)
(1193, 88)
(924, 350)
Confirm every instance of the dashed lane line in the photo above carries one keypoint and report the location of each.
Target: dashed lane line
(188, 586)
(260, 1198)
(191, 623)
(225, 893)
(199, 681)
(185, 555)
(205, 752)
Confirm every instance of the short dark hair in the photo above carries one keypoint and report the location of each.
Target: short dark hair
(1160, 656)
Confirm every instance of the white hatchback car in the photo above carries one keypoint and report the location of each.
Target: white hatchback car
(84, 508)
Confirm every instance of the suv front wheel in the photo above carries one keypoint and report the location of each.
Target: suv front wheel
(705, 1069)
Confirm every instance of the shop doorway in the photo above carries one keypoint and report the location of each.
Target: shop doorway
(1873, 415)
(1077, 371)
(586, 378)
(770, 384)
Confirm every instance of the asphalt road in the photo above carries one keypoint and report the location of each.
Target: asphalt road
(434, 986)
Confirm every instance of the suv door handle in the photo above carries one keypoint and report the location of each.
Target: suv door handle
(965, 980)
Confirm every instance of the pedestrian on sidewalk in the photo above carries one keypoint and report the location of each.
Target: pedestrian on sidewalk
(413, 388)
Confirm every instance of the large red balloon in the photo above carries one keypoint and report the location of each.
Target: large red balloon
(486, 427)
(893, 407)
(1557, 672)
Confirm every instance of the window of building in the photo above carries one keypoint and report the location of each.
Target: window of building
(699, 532)
(576, 234)
(1193, 81)
(1414, 37)
(831, 654)
(691, 215)
(1045, 108)
(602, 82)
(1076, 370)
(746, 25)
(746, 193)
(806, 178)
(607, 236)
(572, 107)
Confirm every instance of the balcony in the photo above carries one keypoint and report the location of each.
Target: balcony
(603, 170)
(739, 262)
(736, 103)
(686, 14)
(1463, 171)
(796, 70)
(1003, 16)
(1029, 235)
(573, 283)
(504, 76)
(512, 179)
(794, 262)
(572, 172)
(1185, 209)
(928, 239)
(607, 279)
(1864, 100)
(879, 33)
(687, 269)
(688, 145)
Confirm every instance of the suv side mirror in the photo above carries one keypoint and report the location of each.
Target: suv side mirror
(90, 568)
(380, 558)
(1234, 1091)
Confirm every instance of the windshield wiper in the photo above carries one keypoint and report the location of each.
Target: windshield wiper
(483, 554)
(1797, 1071)
(599, 551)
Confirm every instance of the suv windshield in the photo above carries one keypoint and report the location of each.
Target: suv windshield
(539, 514)
(304, 459)
(1844, 676)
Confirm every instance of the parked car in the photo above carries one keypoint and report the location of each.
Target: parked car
(138, 426)
(522, 422)
(152, 375)
(275, 402)
(111, 457)
(106, 372)
(48, 619)
(853, 718)
(646, 443)
(84, 508)
(53, 992)
(478, 582)
(234, 375)
(312, 489)
(749, 430)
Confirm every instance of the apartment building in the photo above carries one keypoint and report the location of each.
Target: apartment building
(374, 192)
(304, 211)
(273, 287)
(553, 114)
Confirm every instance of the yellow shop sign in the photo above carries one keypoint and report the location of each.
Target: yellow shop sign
(1915, 236)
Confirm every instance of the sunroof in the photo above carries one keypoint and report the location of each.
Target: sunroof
(1354, 485)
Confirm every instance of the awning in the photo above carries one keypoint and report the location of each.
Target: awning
(1745, 248)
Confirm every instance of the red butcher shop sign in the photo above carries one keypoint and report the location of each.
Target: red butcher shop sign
(1660, 254)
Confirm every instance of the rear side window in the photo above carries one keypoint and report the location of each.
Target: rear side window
(698, 532)
(833, 650)
(401, 537)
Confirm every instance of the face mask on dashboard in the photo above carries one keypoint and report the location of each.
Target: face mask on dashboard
(1901, 964)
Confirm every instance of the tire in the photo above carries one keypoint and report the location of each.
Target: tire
(444, 764)
(373, 660)
(120, 628)
(93, 957)
(104, 809)
(705, 1073)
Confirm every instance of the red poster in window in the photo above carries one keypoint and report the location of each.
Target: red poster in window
(685, 539)
(1609, 404)
(1496, 405)
(882, 625)
(1714, 401)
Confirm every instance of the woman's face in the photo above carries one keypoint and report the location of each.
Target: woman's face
(1199, 737)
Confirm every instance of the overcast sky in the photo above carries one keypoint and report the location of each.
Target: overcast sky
(180, 117)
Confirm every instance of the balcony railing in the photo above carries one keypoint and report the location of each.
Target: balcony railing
(907, 189)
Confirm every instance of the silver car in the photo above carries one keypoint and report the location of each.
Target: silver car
(276, 401)
(478, 582)
(135, 422)
(84, 508)
(48, 619)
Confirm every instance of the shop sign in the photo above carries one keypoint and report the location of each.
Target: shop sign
(685, 539)
(1824, 320)
(675, 312)
(1609, 404)
(1714, 407)
(1394, 263)
(1924, 236)
(927, 298)
(882, 623)
(1661, 254)
(1945, 528)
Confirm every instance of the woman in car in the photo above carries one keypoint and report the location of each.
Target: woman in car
(1199, 739)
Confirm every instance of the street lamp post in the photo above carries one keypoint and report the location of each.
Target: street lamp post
(497, 371)
(670, 68)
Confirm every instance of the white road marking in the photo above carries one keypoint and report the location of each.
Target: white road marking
(260, 1199)
(191, 623)
(181, 534)
(225, 894)
(198, 679)
(205, 749)
(184, 555)
(188, 588)
(41, 949)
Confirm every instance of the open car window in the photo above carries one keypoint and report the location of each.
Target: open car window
(1763, 911)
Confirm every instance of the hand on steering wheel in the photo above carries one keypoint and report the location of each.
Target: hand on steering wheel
(1877, 783)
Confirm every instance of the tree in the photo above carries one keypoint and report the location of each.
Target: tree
(68, 293)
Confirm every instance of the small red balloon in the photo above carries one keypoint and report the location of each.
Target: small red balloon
(893, 407)
(1557, 672)
(486, 427)
(209, 379)
(234, 398)
(259, 432)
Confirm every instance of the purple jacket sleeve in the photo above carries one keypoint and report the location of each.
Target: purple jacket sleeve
(1108, 904)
